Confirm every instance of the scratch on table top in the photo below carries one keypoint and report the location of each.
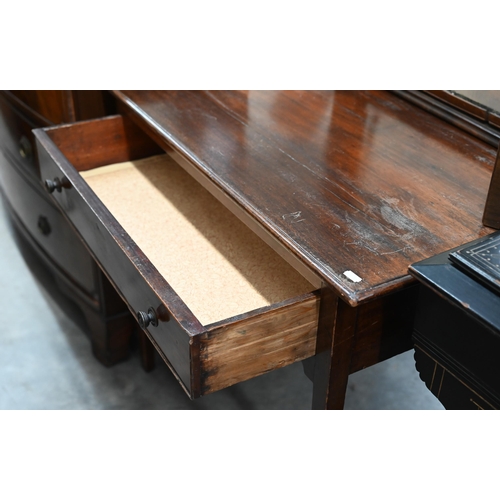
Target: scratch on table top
(407, 247)
(294, 159)
(482, 159)
(361, 243)
(293, 217)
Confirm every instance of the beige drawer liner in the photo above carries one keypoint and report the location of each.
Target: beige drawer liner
(218, 266)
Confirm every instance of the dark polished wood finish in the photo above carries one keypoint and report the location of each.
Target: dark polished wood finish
(336, 331)
(16, 140)
(359, 181)
(109, 325)
(334, 181)
(42, 225)
(472, 117)
(147, 350)
(30, 205)
(62, 106)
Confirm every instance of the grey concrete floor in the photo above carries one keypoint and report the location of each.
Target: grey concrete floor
(46, 360)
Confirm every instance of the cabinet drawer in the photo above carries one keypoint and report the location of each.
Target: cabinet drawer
(219, 305)
(47, 226)
(16, 138)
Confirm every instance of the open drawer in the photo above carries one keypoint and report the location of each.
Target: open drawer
(219, 304)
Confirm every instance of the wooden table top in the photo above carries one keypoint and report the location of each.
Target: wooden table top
(358, 181)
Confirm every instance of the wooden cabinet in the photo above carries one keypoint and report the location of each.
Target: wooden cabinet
(42, 224)
(62, 106)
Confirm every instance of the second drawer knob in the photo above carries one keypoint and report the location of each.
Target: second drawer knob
(43, 225)
(53, 185)
(25, 149)
(147, 318)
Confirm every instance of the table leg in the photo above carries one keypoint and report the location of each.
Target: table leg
(147, 351)
(110, 337)
(336, 329)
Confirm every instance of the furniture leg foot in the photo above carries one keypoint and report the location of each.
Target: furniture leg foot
(110, 337)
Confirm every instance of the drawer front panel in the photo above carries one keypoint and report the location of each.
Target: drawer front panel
(259, 344)
(48, 227)
(16, 137)
(122, 261)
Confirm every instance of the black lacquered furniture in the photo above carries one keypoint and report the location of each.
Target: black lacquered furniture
(457, 325)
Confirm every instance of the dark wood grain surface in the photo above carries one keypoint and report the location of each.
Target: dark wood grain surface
(47, 226)
(471, 117)
(16, 139)
(361, 181)
(63, 106)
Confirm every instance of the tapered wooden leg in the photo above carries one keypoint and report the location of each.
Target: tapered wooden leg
(110, 337)
(336, 329)
(110, 324)
(147, 351)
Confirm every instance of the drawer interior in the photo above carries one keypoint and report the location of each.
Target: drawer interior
(216, 265)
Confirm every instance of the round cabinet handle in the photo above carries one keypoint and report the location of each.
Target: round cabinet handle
(53, 185)
(25, 149)
(146, 319)
(43, 225)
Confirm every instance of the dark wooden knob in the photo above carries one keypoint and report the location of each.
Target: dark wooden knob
(43, 225)
(25, 149)
(53, 185)
(146, 319)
